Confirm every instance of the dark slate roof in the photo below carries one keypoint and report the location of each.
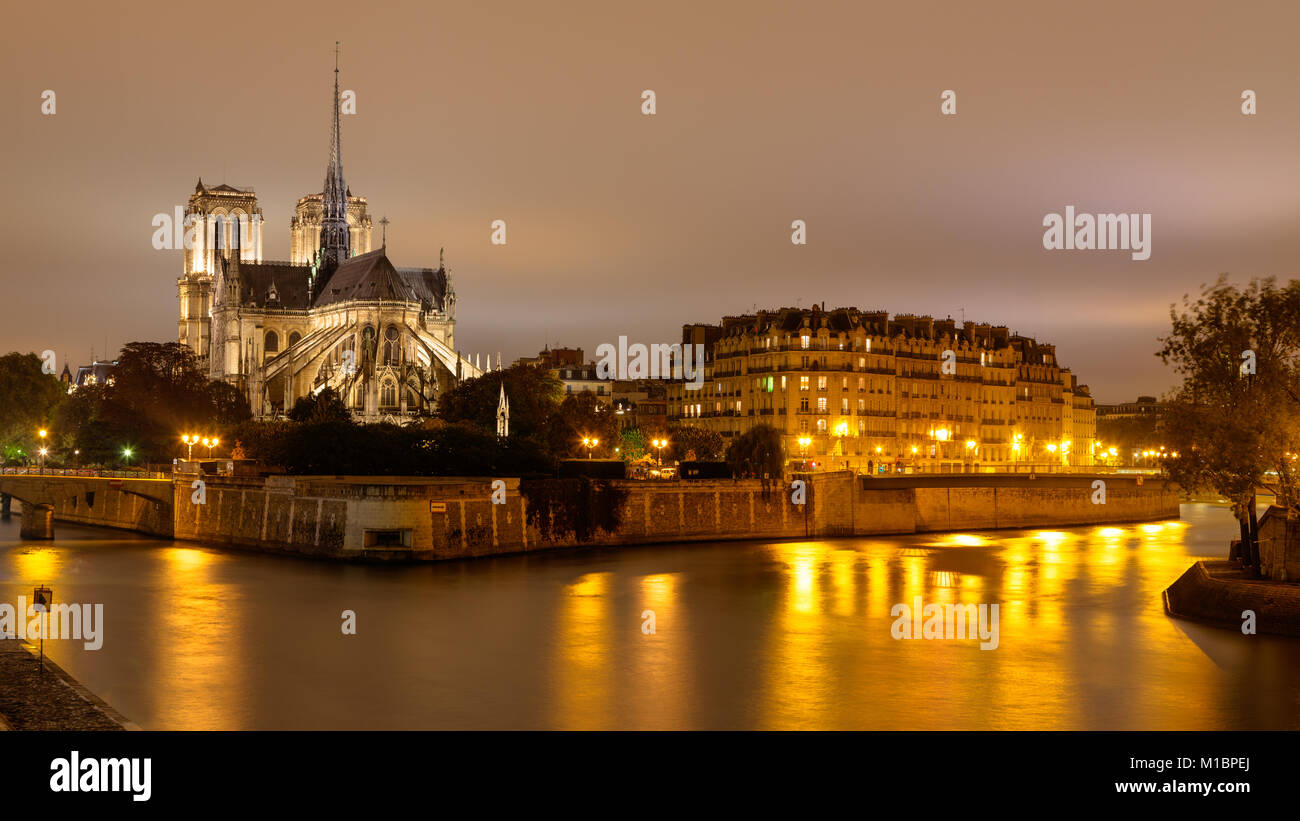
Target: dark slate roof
(372, 276)
(429, 284)
(255, 279)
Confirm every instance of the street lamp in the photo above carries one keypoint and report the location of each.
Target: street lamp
(191, 441)
(126, 455)
(659, 445)
(43, 451)
(804, 442)
(590, 442)
(210, 444)
(42, 433)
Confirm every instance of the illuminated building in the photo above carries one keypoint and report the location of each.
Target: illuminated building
(868, 389)
(337, 314)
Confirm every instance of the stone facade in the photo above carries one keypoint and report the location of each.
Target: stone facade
(865, 388)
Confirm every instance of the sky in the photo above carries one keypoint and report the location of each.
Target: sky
(622, 223)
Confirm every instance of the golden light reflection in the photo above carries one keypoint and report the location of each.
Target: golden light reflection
(582, 669)
(38, 565)
(961, 540)
(795, 678)
(659, 661)
(202, 612)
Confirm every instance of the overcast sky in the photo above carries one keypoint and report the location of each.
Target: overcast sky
(621, 223)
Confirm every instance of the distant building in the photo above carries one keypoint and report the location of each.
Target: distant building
(1145, 407)
(96, 373)
(641, 403)
(552, 358)
(579, 378)
(863, 388)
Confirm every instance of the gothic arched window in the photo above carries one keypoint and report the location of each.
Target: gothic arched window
(272, 342)
(294, 336)
(388, 394)
(392, 346)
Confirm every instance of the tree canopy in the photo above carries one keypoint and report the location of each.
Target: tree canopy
(1235, 419)
(28, 399)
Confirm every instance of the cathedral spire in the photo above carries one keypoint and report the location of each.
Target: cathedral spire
(334, 238)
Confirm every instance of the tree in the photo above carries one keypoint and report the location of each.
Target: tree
(632, 444)
(1233, 421)
(229, 405)
(319, 408)
(757, 453)
(695, 444)
(582, 416)
(534, 395)
(155, 394)
(28, 399)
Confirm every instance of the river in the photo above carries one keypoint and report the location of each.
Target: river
(745, 635)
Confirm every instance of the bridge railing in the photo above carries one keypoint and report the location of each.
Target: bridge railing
(96, 473)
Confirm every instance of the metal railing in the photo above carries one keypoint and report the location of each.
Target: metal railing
(93, 473)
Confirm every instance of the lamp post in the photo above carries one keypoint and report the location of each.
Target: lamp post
(42, 433)
(126, 456)
(191, 441)
(659, 445)
(43, 451)
(210, 444)
(590, 442)
(804, 442)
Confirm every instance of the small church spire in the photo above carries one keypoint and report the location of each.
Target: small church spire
(503, 412)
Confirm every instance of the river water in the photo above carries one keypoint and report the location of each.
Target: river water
(746, 635)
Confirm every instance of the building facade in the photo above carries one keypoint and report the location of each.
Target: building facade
(337, 314)
(861, 389)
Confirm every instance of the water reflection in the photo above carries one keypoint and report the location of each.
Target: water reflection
(746, 635)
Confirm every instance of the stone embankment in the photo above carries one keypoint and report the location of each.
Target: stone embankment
(413, 518)
(1219, 592)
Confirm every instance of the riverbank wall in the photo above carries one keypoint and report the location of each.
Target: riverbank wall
(437, 518)
(420, 518)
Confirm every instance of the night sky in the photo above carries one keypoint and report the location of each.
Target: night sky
(620, 223)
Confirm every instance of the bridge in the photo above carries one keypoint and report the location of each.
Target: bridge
(130, 500)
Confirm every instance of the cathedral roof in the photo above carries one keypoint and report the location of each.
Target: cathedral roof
(290, 281)
(372, 276)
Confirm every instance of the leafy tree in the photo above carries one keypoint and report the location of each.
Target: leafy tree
(28, 399)
(229, 405)
(633, 444)
(534, 395)
(1130, 434)
(1234, 430)
(319, 408)
(695, 444)
(156, 393)
(757, 453)
(582, 415)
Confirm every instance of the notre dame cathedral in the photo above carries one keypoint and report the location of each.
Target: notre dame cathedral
(337, 314)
